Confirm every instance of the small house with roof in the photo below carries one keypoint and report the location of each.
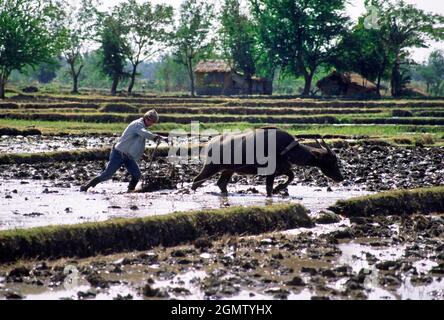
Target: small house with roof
(217, 77)
(348, 84)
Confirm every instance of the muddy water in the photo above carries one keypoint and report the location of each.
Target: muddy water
(354, 254)
(28, 203)
(258, 267)
(374, 258)
(33, 144)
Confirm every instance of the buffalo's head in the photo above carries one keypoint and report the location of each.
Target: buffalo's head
(328, 162)
(323, 158)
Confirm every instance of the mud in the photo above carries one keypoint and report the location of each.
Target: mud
(34, 143)
(386, 257)
(16, 132)
(389, 259)
(403, 168)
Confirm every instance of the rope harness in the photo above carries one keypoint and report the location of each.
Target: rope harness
(289, 147)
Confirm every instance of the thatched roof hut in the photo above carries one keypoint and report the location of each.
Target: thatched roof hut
(414, 91)
(219, 66)
(217, 77)
(348, 84)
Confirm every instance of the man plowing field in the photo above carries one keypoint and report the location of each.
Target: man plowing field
(129, 150)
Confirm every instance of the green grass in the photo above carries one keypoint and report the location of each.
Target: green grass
(89, 239)
(96, 117)
(399, 202)
(57, 127)
(382, 131)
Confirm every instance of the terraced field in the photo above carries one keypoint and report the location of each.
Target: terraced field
(313, 240)
(403, 120)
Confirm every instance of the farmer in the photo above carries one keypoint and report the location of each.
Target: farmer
(128, 151)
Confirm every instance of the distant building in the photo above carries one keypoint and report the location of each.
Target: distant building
(346, 84)
(217, 77)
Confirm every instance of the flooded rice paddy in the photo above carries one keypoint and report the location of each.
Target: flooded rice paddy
(358, 258)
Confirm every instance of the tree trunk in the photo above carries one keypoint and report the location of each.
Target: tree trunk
(308, 77)
(75, 76)
(2, 90)
(167, 81)
(192, 86)
(380, 74)
(133, 79)
(75, 80)
(3, 80)
(250, 84)
(396, 79)
(191, 74)
(378, 85)
(114, 86)
(270, 77)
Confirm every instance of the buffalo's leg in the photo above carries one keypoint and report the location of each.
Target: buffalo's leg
(206, 173)
(224, 180)
(269, 185)
(282, 186)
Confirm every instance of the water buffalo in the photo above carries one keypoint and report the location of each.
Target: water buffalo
(238, 153)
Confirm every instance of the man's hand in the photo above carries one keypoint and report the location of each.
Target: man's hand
(159, 138)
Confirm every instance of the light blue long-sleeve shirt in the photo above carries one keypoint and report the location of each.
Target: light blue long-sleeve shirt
(132, 141)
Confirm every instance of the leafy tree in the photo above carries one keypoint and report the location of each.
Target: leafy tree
(432, 72)
(47, 71)
(300, 35)
(30, 33)
(92, 75)
(171, 75)
(81, 25)
(114, 50)
(238, 39)
(190, 38)
(363, 51)
(403, 26)
(147, 34)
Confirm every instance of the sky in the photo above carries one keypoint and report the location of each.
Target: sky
(355, 8)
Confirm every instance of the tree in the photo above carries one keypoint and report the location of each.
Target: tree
(432, 72)
(81, 24)
(190, 37)
(301, 35)
(238, 39)
(403, 26)
(29, 34)
(114, 50)
(171, 76)
(147, 27)
(47, 71)
(362, 51)
(92, 73)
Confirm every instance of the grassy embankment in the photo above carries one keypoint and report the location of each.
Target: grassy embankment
(89, 239)
(398, 202)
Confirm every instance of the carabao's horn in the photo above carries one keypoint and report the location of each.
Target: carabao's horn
(319, 144)
(325, 145)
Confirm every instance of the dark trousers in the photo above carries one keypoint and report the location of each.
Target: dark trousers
(116, 160)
